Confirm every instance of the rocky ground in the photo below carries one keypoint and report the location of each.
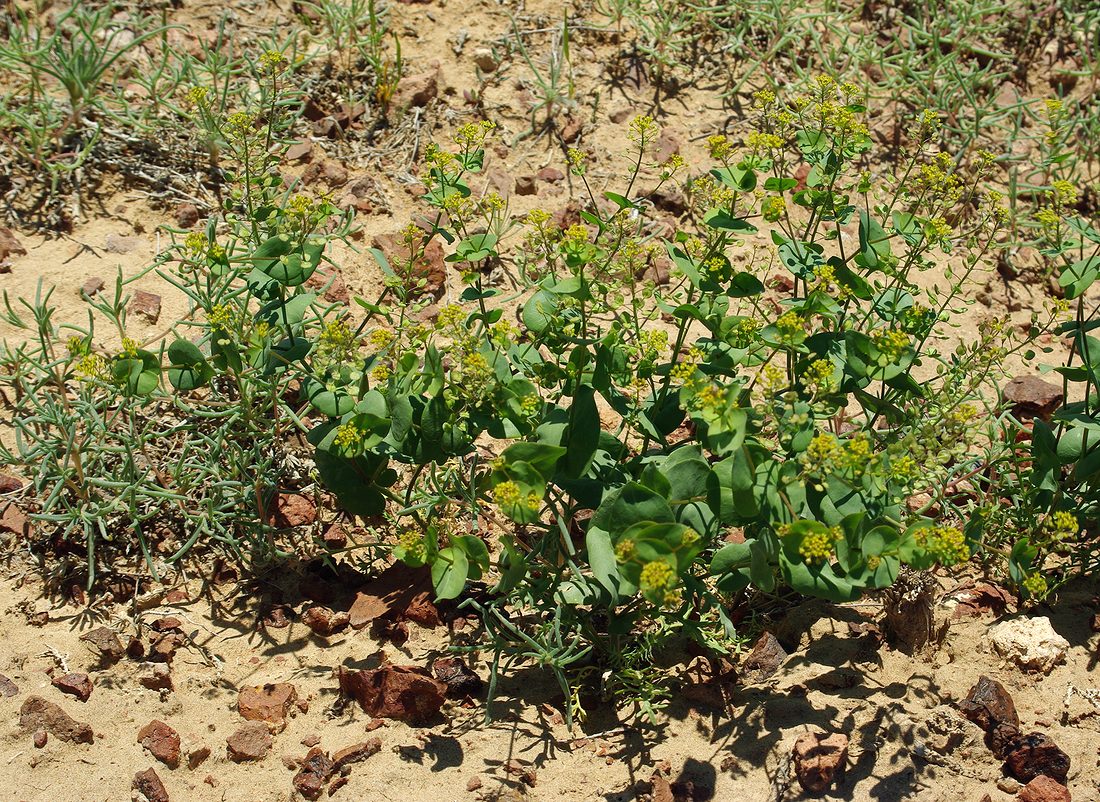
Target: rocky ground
(343, 687)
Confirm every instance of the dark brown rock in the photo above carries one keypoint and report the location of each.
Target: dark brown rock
(766, 657)
(819, 760)
(9, 484)
(8, 688)
(526, 185)
(278, 617)
(315, 770)
(39, 714)
(989, 705)
(197, 756)
(104, 642)
(1044, 789)
(669, 199)
(167, 624)
(461, 682)
(324, 621)
(551, 175)
(250, 742)
(162, 741)
(1031, 397)
(1030, 756)
(146, 305)
(164, 646)
(356, 752)
(300, 151)
(270, 703)
(187, 215)
(407, 693)
(76, 684)
(149, 785)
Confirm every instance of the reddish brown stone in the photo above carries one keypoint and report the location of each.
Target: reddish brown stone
(461, 682)
(1031, 397)
(819, 760)
(278, 617)
(551, 175)
(526, 185)
(187, 215)
(197, 756)
(76, 684)
(391, 595)
(766, 657)
(104, 642)
(41, 737)
(324, 621)
(406, 693)
(294, 509)
(149, 785)
(316, 768)
(1030, 756)
(39, 714)
(146, 305)
(988, 705)
(337, 784)
(1044, 789)
(166, 624)
(270, 703)
(300, 151)
(9, 484)
(162, 741)
(356, 752)
(250, 742)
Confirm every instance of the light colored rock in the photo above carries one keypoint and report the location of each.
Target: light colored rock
(1031, 643)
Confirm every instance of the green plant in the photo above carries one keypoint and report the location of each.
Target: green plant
(553, 83)
(123, 451)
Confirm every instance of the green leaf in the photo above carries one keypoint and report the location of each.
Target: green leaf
(629, 504)
(729, 557)
(543, 457)
(723, 220)
(189, 369)
(1079, 276)
(601, 558)
(582, 435)
(874, 243)
(450, 570)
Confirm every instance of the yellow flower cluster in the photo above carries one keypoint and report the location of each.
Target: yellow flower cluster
(817, 547)
(946, 543)
(760, 141)
(1036, 585)
(657, 575)
(348, 435)
(719, 146)
(773, 208)
(818, 377)
(507, 494)
(413, 543)
(642, 130)
(788, 326)
(472, 135)
(684, 369)
(891, 343)
(1063, 524)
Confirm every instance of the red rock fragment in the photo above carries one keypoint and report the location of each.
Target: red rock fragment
(146, 305)
(159, 679)
(250, 742)
(270, 703)
(356, 752)
(187, 215)
(766, 657)
(1031, 397)
(1044, 789)
(167, 624)
(76, 684)
(148, 784)
(406, 693)
(39, 714)
(1033, 755)
(294, 509)
(820, 760)
(92, 287)
(162, 741)
(324, 621)
(428, 269)
(315, 770)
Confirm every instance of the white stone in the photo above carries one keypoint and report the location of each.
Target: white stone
(1031, 643)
